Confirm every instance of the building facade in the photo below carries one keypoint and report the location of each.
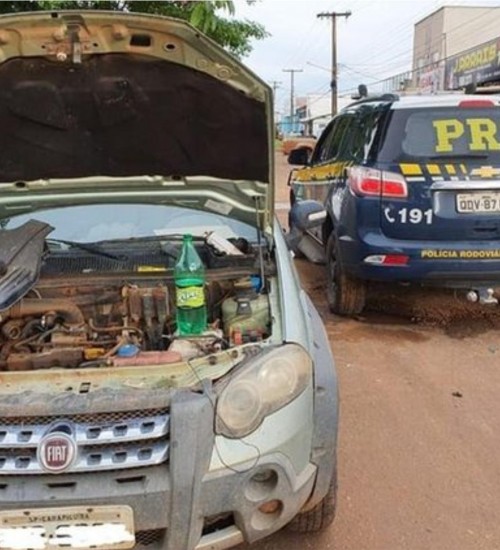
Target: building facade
(312, 114)
(455, 46)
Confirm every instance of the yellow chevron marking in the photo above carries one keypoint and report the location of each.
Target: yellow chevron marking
(320, 173)
(451, 169)
(464, 169)
(410, 169)
(434, 169)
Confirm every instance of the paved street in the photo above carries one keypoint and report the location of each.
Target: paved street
(419, 445)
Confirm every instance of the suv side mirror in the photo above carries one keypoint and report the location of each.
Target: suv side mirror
(299, 156)
(307, 214)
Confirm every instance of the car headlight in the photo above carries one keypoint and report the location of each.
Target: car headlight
(269, 382)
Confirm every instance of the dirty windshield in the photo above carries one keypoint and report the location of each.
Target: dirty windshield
(102, 222)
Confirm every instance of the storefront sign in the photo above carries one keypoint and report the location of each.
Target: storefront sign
(477, 65)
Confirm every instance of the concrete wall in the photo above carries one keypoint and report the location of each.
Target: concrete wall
(451, 30)
(446, 32)
(428, 40)
(318, 109)
(429, 48)
(467, 27)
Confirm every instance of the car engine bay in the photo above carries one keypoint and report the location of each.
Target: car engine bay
(117, 308)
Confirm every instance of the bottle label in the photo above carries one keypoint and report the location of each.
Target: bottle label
(190, 297)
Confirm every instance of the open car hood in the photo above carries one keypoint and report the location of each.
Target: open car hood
(86, 95)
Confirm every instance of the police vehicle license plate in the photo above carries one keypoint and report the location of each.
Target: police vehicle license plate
(472, 203)
(103, 527)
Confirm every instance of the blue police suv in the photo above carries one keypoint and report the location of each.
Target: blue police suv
(402, 189)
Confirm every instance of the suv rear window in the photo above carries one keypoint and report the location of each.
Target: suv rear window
(445, 133)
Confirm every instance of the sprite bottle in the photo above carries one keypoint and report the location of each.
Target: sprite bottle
(189, 276)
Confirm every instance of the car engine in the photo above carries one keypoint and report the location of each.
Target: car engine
(89, 325)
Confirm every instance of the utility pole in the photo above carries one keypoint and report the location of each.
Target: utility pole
(292, 91)
(275, 85)
(333, 85)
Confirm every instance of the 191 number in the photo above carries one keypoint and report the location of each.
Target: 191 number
(409, 215)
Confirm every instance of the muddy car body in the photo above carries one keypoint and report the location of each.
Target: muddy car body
(115, 432)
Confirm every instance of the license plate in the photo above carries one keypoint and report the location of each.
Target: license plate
(102, 527)
(478, 203)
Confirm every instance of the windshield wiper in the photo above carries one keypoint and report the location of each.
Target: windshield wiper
(152, 238)
(458, 157)
(88, 247)
(167, 249)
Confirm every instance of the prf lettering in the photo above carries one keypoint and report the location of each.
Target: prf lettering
(481, 133)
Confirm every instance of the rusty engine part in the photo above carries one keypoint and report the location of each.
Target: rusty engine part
(63, 357)
(71, 327)
(13, 329)
(153, 307)
(147, 358)
(67, 326)
(71, 313)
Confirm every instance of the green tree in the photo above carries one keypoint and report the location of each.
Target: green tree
(216, 18)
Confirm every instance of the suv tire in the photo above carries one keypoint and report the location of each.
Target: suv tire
(346, 295)
(319, 517)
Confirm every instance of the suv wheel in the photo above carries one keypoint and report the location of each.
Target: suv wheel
(346, 295)
(321, 516)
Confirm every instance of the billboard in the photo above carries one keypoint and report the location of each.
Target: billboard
(430, 80)
(477, 65)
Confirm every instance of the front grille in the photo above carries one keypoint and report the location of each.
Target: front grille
(85, 418)
(105, 441)
(147, 538)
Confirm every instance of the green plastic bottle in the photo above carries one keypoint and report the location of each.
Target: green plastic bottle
(189, 275)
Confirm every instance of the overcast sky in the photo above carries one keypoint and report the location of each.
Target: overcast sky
(373, 43)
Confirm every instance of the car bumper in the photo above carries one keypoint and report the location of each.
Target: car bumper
(184, 505)
(439, 263)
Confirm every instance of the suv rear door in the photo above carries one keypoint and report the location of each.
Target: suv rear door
(450, 159)
(314, 180)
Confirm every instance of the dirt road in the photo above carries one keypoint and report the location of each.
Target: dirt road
(419, 447)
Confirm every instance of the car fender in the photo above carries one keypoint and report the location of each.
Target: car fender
(326, 406)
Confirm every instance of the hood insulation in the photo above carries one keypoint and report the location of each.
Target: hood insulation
(126, 115)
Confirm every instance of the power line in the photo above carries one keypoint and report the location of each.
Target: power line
(343, 66)
(437, 40)
(355, 71)
(406, 56)
(388, 43)
(303, 45)
(319, 98)
(411, 71)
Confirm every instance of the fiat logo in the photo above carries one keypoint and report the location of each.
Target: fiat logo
(57, 451)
